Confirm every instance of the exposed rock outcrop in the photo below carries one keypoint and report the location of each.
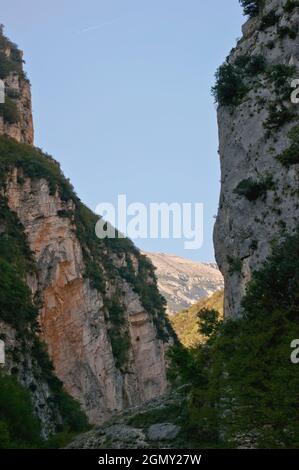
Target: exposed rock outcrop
(260, 172)
(142, 427)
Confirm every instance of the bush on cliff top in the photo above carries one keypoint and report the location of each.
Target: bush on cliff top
(232, 79)
(229, 88)
(251, 7)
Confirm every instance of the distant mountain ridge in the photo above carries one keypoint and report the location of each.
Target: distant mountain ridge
(183, 282)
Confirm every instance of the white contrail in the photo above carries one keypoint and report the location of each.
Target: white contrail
(99, 26)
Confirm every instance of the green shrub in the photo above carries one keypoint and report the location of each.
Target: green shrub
(120, 343)
(235, 265)
(251, 7)
(9, 111)
(231, 79)
(208, 322)
(116, 312)
(254, 190)
(249, 66)
(290, 156)
(271, 19)
(281, 75)
(15, 298)
(278, 115)
(144, 283)
(12, 93)
(229, 88)
(291, 5)
(287, 31)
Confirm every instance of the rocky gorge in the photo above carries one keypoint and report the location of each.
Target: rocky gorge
(83, 320)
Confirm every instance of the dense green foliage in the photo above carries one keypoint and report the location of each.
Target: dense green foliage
(254, 190)
(18, 426)
(290, 156)
(244, 389)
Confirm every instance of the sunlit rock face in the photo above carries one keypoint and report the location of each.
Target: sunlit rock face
(73, 318)
(259, 194)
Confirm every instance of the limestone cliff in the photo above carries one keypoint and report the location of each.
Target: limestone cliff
(259, 135)
(100, 312)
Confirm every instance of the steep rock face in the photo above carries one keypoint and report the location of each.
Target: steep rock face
(259, 186)
(16, 113)
(74, 317)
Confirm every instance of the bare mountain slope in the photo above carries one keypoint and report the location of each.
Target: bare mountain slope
(183, 282)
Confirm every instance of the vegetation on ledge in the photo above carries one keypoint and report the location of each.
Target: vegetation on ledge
(251, 7)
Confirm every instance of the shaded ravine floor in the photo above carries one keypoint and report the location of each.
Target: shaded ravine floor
(153, 425)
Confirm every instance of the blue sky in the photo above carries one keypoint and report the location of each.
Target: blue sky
(121, 97)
